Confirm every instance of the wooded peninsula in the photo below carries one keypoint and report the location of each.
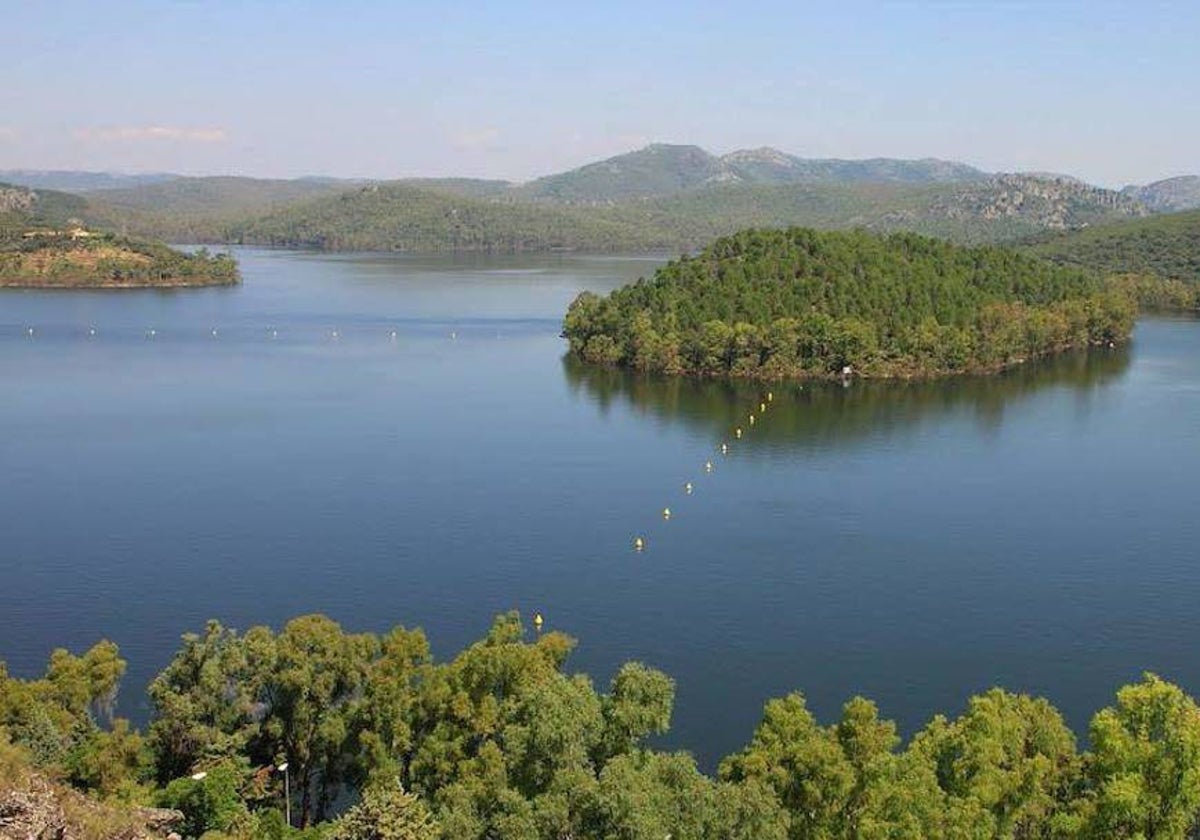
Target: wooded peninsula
(802, 303)
(78, 258)
(503, 742)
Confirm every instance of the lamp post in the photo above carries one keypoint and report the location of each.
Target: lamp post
(287, 793)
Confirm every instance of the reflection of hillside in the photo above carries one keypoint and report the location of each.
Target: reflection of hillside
(820, 414)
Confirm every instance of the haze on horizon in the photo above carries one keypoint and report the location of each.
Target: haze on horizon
(1100, 90)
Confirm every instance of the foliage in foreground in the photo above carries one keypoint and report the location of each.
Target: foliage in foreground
(806, 303)
(503, 742)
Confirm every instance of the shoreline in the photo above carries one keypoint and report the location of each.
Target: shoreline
(74, 284)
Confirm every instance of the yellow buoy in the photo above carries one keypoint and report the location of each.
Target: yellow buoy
(762, 407)
(770, 396)
(737, 433)
(537, 621)
(687, 488)
(751, 419)
(638, 543)
(666, 513)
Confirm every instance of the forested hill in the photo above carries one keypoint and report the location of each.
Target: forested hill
(804, 303)
(397, 217)
(1167, 246)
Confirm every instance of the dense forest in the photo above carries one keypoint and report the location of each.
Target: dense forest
(804, 303)
(382, 742)
(1167, 246)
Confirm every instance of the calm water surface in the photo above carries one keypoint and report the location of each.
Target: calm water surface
(914, 544)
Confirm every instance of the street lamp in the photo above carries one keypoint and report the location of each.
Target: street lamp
(287, 793)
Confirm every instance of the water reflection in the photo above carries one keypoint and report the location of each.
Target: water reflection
(818, 415)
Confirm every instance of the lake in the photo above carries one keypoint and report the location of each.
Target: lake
(911, 543)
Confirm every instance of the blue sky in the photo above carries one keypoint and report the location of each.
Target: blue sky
(1106, 91)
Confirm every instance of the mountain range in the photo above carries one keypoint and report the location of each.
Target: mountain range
(662, 196)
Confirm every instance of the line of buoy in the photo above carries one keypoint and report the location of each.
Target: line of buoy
(639, 543)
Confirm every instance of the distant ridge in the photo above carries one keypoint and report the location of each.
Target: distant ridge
(662, 169)
(1169, 195)
(74, 181)
(663, 196)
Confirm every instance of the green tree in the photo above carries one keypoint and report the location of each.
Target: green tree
(1145, 763)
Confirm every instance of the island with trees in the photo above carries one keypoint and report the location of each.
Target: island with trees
(380, 741)
(802, 303)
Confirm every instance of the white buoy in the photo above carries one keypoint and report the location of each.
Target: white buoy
(770, 396)
(687, 488)
(724, 448)
(274, 333)
(214, 332)
(751, 419)
(151, 333)
(454, 335)
(638, 543)
(392, 335)
(708, 466)
(334, 334)
(30, 332)
(762, 407)
(737, 433)
(666, 513)
(91, 330)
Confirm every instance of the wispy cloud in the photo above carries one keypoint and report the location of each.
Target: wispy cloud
(137, 133)
(475, 140)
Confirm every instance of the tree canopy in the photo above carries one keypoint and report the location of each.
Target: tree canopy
(807, 303)
(502, 741)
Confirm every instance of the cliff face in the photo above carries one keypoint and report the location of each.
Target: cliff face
(16, 200)
(38, 809)
(1047, 202)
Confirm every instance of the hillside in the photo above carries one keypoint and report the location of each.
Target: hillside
(1167, 246)
(393, 217)
(1170, 195)
(800, 303)
(21, 207)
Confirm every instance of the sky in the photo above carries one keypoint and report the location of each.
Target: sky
(1104, 91)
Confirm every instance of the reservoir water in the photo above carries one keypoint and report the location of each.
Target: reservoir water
(911, 543)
